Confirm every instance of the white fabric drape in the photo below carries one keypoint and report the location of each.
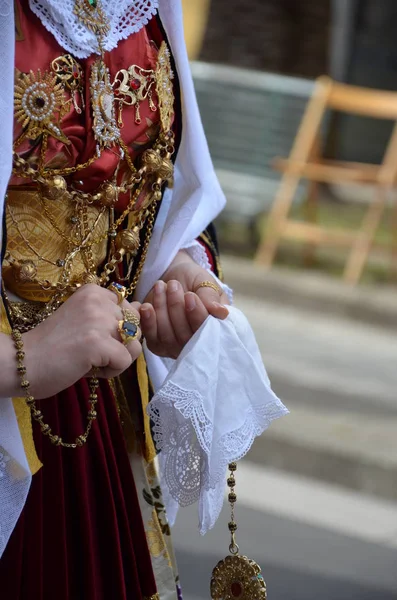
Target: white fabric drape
(15, 476)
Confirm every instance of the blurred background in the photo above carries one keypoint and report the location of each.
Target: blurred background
(317, 495)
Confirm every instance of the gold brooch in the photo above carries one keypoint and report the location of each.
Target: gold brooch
(131, 87)
(70, 73)
(40, 105)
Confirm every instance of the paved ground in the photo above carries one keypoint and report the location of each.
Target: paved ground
(337, 375)
(294, 529)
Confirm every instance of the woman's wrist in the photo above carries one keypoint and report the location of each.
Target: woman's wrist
(181, 257)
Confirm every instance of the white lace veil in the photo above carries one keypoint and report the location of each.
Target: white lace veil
(186, 210)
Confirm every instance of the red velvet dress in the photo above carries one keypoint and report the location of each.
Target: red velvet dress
(81, 534)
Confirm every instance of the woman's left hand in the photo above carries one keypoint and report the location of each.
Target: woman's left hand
(175, 309)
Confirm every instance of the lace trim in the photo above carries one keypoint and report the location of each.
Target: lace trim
(125, 17)
(193, 459)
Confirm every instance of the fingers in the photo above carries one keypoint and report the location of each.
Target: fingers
(165, 333)
(196, 312)
(213, 302)
(149, 323)
(114, 359)
(177, 312)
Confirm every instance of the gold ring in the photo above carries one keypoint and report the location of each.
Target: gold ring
(208, 284)
(119, 290)
(129, 327)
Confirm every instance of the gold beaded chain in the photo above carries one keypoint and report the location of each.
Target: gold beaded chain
(37, 415)
(232, 497)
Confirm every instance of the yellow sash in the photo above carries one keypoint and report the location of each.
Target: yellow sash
(22, 410)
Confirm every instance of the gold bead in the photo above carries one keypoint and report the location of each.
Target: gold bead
(21, 369)
(232, 525)
(45, 428)
(92, 415)
(157, 195)
(55, 188)
(232, 497)
(81, 440)
(128, 240)
(20, 355)
(29, 400)
(25, 271)
(166, 170)
(231, 482)
(55, 439)
(25, 384)
(233, 466)
(151, 160)
(108, 194)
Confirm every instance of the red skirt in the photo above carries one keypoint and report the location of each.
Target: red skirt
(80, 536)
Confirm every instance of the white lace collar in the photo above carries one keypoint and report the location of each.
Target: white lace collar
(125, 16)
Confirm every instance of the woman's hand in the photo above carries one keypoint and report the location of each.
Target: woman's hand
(80, 335)
(173, 312)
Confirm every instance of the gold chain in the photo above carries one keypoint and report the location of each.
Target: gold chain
(149, 231)
(37, 415)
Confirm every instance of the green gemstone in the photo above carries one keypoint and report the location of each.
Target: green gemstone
(92, 3)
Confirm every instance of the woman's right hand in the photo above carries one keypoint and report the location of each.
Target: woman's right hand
(81, 335)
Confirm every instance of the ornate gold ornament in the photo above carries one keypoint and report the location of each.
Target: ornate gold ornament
(70, 73)
(40, 105)
(236, 577)
(164, 77)
(92, 16)
(105, 126)
(88, 252)
(131, 87)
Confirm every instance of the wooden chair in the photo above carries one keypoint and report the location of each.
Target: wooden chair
(304, 162)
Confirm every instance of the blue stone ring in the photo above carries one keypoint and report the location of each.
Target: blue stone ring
(129, 327)
(119, 290)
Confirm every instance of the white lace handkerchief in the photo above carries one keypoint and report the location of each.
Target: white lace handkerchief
(215, 400)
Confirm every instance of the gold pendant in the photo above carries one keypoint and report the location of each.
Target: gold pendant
(102, 97)
(237, 577)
